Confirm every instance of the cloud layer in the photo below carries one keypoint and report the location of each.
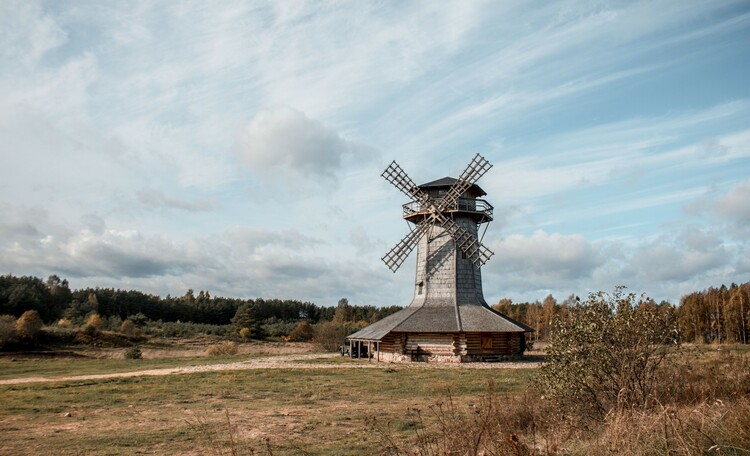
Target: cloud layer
(237, 147)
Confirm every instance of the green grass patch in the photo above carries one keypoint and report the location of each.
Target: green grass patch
(65, 367)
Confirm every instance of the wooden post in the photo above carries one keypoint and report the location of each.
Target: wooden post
(369, 351)
(377, 347)
(350, 348)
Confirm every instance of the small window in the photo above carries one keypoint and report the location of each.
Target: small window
(419, 287)
(486, 342)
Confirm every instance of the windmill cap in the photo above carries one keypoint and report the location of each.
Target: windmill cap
(447, 182)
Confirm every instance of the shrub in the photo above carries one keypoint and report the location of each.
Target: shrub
(129, 328)
(276, 329)
(88, 330)
(29, 325)
(64, 323)
(245, 333)
(303, 332)
(330, 336)
(224, 348)
(606, 355)
(95, 321)
(7, 329)
(112, 323)
(133, 353)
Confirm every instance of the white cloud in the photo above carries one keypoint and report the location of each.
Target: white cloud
(287, 140)
(735, 205)
(543, 260)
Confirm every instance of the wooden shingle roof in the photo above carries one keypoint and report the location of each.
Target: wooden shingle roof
(453, 318)
(447, 182)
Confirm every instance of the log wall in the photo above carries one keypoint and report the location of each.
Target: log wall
(463, 345)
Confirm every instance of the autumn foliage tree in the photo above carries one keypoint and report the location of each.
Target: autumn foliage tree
(29, 325)
(303, 332)
(716, 315)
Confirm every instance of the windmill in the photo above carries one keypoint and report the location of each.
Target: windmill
(448, 318)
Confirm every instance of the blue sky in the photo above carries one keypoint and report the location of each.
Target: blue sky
(237, 148)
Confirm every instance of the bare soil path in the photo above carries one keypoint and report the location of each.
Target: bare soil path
(289, 361)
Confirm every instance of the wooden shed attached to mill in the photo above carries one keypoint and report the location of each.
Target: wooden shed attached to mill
(448, 318)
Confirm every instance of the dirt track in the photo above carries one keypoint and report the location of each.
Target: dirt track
(298, 361)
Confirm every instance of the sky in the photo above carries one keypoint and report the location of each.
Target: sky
(237, 147)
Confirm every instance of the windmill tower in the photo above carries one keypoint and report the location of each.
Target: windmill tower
(448, 318)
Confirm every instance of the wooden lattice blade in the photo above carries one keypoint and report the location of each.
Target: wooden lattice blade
(396, 256)
(399, 179)
(467, 242)
(477, 168)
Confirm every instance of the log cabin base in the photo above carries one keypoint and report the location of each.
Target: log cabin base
(437, 347)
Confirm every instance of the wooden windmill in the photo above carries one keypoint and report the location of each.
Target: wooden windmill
(448, 318)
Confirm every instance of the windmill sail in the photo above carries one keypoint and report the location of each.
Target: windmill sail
(396, 256)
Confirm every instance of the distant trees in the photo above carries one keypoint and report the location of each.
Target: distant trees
(711, 316)
(716, 315)
(19, 294)
(7, 329)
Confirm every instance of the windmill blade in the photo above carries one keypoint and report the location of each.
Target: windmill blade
(468, 243)
(399, 179)
(396, 256)
(474, 170)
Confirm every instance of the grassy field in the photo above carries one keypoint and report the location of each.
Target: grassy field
(322, 411)
(295, 410)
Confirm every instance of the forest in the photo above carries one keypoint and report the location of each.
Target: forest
(714, 315)
(56, 303)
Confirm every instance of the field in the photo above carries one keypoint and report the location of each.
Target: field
(283, 399)
(305, 410)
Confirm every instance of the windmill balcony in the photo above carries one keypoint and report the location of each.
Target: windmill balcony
(479, 209)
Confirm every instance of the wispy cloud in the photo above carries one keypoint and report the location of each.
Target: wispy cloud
(157, 198)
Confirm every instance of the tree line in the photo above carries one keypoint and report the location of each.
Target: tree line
(713, 315)
(53, 300)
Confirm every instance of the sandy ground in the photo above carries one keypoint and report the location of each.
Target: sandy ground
(286, 361)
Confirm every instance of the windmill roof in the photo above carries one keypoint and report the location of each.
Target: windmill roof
(462, 318)
(448, 182)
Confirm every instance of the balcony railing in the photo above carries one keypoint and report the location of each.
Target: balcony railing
(478, 206)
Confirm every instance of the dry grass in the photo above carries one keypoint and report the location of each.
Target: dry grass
(702, 407)
(707, 428)
(319, 411)
(225, 348)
